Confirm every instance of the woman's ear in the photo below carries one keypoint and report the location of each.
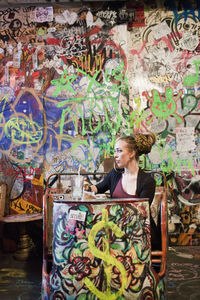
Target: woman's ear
(132, 154)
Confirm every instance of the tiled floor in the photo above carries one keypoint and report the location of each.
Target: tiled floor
(22, 280)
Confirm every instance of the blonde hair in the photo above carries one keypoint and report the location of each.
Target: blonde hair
(139, 142)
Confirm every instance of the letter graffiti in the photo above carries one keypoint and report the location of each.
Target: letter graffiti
(24, 131)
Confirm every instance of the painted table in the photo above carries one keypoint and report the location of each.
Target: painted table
(101, 249)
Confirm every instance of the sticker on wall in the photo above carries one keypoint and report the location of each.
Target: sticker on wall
(185, 140)
(17, 56)
(77, 215)
(160, 30)
(89, 19)
(66, 17)
(189, 41)
(43, 14)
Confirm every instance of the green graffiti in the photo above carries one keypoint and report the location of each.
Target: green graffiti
(42, 31)
(111, 119)
(187, 165)
(191, 80)
(83, 144)
(106, 96)
(82, 120)
(164, 108)
(108, 89)
(64, 83)
(167, 163)
(117, 76)
(136, 118)
(92, 80)
(23, 131)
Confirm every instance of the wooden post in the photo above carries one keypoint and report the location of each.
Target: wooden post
(3, 208)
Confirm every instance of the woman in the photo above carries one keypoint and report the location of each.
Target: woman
(129, 181)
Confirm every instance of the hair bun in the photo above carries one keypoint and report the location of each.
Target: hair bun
(152, 136)
(144, 142)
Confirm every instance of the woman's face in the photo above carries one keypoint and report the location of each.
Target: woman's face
(123, 155)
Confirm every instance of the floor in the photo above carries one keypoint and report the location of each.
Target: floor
(22, 280)
(183, 274)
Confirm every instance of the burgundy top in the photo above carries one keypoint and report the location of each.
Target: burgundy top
(120, 193)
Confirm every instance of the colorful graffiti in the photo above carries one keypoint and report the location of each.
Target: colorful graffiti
(72, 79)
(184, 209)
(101, 251)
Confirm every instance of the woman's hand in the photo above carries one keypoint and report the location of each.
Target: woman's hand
(89, 188)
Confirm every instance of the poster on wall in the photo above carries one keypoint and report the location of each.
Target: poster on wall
(185, 140)
(43, 14)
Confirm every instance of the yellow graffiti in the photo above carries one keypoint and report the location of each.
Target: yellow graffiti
(17, 134)
(22, 206)
(137, 101)
(84, 63)
(23, 130)
(109, 261)
(5, 99)
(161, 79)
(39, 181)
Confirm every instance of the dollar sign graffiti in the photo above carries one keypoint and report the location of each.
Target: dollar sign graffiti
(107, 258)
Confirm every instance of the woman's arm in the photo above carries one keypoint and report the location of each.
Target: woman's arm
(100, 188)
(93, 188)
(88, 187)
(104, 185)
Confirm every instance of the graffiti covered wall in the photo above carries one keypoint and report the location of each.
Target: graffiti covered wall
(72, 77)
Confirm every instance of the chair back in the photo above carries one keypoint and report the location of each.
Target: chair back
(160, 214)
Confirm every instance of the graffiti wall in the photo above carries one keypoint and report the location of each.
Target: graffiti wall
(73, 77)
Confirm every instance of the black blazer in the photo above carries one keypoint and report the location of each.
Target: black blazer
(145, 184)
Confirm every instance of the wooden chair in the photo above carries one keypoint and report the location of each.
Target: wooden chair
(160, 204)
